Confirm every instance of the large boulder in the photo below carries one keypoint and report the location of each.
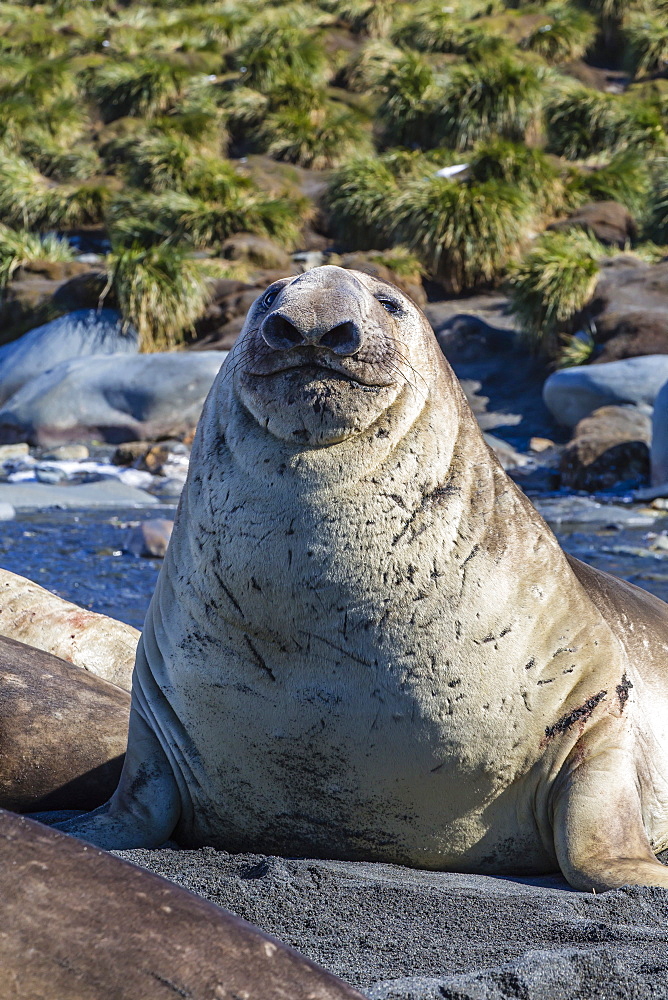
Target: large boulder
(35, 616)
(609, 447)
(113, 399)
(84, 332)
(659, 449)
(630, 309)
(607, 221)
(573, 393)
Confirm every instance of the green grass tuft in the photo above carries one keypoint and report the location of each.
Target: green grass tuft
(465, 234)
(551, 283)
(20, 247)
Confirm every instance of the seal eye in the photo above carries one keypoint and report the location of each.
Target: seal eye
(270, 297)
(390, 305)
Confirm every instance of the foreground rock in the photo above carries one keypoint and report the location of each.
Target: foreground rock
(630, 309)
(81, 333)
(609, 447)
(120, 398)
(102, 645)
(82, 925)
(401, 934)
(573, 393)
(106, 493)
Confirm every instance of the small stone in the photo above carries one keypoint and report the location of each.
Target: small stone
(67, 453)
(660, 543)
(661, 503)
(130, 452)
(50, 474)
(539, 444)
(150, 538)
(7, 512)
(8, 451)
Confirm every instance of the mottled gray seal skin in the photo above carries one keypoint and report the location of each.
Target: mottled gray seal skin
(63, 732)
(78, 924)
(366, 644)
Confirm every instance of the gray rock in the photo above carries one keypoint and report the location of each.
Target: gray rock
(7, 512)
(629, 310)
(150, 538)
(83, 332)
(659, 447)
(11, 451)
(113, 399)
(401, 934)
(105, 493)
(66, 453)
(574, 393)
(574, 510)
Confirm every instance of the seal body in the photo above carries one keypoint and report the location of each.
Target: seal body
(365, 643)
(81, 924)
(62, 732)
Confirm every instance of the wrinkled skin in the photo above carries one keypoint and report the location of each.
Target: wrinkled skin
(365, 643)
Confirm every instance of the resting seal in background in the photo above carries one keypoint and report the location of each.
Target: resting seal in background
(365, 643)
(62, 732)
(82, 925)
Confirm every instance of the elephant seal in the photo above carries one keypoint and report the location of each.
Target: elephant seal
(81, 924)
(365, 643)
(63, 732)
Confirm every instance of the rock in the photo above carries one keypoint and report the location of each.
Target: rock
(105, 493)
(659, 449)
(82, 292)
(506, 454)
(67, 453)
(150, 538)
(50, 474)
(540, 444)
(374, 262)
(7, 512)
(629, 311)
(221, 322)
(607, 221)
(119, 398)
(131, 452)
(400, 934)
(609, 447)
(102, 645)
(257, 250)
(574, 510)
(10, 451)
(574, 393)
(85, 332)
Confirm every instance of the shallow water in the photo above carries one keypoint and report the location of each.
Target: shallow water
(78, 555)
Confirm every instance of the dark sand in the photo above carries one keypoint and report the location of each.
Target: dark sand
(400, 934)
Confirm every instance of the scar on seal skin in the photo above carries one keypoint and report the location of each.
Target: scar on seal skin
(292, 690)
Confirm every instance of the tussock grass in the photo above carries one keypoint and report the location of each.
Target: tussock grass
(551, 283)
(161, 290)
(647, 37)
(624, 179)
(319, 138)
(567, 34)
(583, 122)
(465, 234)
(502, 97)
(357, 201)
(521, 166)
(20, 247)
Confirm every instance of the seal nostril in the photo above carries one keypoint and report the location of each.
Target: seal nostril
(280, 333)
(342, 339)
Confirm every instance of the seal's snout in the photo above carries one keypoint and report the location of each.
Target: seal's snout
(282, 334)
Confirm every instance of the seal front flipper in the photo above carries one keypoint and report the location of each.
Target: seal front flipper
(599, 835)
(145, 807)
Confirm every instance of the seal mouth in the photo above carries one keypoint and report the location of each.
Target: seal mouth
(311, 362)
